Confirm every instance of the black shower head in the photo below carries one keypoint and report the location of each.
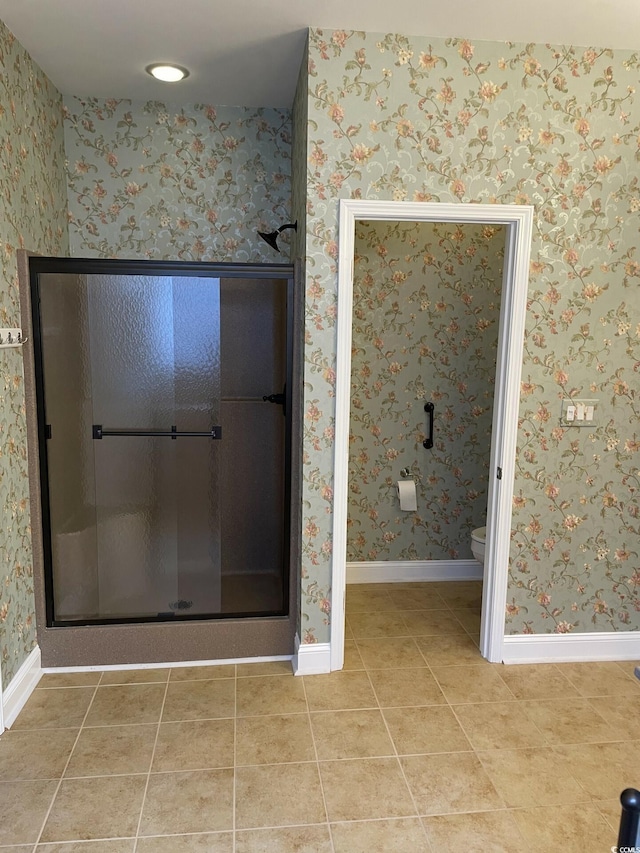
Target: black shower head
(272, 237)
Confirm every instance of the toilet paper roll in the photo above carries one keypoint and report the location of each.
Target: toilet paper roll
(407, 495)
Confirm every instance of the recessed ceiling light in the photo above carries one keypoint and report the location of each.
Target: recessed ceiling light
(167, 72)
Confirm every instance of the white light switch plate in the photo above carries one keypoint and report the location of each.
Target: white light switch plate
(580, 413)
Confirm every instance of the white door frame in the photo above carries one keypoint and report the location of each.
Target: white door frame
(518, 220)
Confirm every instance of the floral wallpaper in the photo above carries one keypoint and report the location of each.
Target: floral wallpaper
(32, 216)
(188, 182)
(425, 327)
(557, 127)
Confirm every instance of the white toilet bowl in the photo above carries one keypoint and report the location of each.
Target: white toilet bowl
(477, 543)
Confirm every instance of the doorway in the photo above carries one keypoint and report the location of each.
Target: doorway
(518, 222)
(163, 410)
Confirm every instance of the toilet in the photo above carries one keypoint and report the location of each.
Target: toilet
(478, 537)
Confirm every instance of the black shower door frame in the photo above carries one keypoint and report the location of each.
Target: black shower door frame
(96, 266)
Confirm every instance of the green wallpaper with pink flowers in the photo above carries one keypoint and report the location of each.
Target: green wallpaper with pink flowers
(398, 117)
(425, 327)
(188, 182)
(33, 215)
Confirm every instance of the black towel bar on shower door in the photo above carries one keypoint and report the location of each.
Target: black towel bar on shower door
(99, 432)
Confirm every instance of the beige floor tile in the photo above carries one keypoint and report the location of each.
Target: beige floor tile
(157, 675)
(112, 750)
(416, 599)
(401, 835)
(120, 846)
(274, 739)
(104, 807)
(463, 594)
(623, 716)
(275, 667)
(367, 600)
(531, 777)
(195, 801)
(464, 684)
(352, 659)
(453, 782)
(482, 832)
(564, 721)
(470, 619)
(601, 678)
(194, 745)
(499, 725)
(270, 694)
(629, 667)
(363, 789)
(126, 705)
(390, 653)
(431, 623)
(69, 679)
(537, 681)
(294, 839)
(350, 734)
(35, 754)
(23, 808)
(375, 625)
(339, 691)
(208, 842)
(603, 770)
(199, 700)
(56, 708)
(611, 810)
(422, 730)
(201, 673)
(278, 795)
(451, 650)
(406, 687)
(570, 829)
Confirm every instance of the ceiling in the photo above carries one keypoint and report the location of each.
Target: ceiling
(247, 52)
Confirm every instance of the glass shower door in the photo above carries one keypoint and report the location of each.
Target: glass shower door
(140, 521)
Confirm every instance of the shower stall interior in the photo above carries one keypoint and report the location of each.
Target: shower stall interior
(164, 396)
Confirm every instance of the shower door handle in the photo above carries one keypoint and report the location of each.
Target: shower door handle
(428, 442)
(99, 432)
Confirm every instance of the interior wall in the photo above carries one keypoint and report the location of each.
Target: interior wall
(425, 328)
(424, 119)
(188, 182)
(32, 215)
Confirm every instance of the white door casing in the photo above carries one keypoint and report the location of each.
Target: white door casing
(518, 222)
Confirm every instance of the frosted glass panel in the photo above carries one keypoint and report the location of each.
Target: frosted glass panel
(148, 513)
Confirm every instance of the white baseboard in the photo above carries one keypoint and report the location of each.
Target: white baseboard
(558, 648)
(22, 685)
(406, 571)
(311, 658)
(123, 667)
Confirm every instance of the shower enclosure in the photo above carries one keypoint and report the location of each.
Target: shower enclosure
(164, 399)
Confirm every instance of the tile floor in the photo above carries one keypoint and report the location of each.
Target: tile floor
(418, 746)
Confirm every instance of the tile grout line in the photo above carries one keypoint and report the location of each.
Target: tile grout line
(397, 757)
(317, 763)
(64, 770)
(153, 754)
